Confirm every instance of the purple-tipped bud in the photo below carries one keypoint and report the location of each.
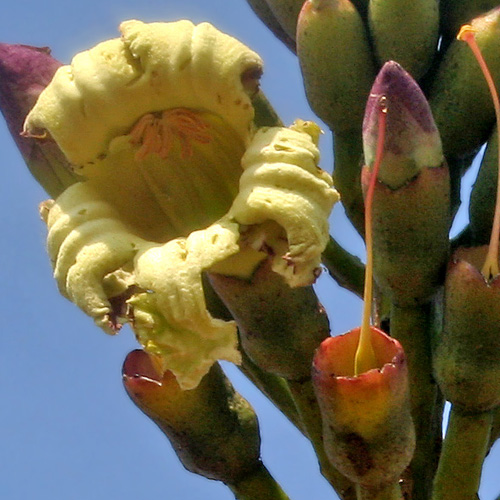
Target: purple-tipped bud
(24, 72)
(412, 141)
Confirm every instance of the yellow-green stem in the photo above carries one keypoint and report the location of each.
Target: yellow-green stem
(388, 492)
(307, 406)
(258, 485)
(465, 445)
(490, 267)
(412, 327)
(346, 269)
(274, 387)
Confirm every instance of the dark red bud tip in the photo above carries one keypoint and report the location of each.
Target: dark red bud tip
(138, 365)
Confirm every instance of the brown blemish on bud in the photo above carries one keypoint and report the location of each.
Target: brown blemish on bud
(358, 453)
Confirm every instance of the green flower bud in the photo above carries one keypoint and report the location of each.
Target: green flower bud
(459, 96)
(467, 355)
(411, 211)
(336, 62)
(280, 327)
(413, 47)
(213, 430)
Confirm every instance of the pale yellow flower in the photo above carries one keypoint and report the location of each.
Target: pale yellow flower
(175, 182)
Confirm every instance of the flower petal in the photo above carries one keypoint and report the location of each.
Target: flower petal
(171, 317)
(87, 242)
(153, 67)
(283, 183)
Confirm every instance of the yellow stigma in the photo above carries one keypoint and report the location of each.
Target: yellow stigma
(365, 359)
(155, 133)
(466, 31)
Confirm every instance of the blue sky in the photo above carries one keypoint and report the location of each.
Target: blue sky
(67, 429)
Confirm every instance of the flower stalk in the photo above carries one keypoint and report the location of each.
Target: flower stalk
(466, 444)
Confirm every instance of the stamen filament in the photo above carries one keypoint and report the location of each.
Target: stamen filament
(365, 356)
(490, 268)
(155, 133)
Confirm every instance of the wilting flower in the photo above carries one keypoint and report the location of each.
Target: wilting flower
(175, 181)
(368, 430)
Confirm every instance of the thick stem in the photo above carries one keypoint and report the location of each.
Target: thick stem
(348, 153)
(346, 269)
(464, 449)
(388, 492)
(275, 388)
(259, 484)
(412, 327)
(307, 406)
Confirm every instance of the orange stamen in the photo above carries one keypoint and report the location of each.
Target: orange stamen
(490, 267)
(365, 357)
(155, 134)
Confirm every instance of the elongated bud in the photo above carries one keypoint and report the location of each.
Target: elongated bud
(413, 47)
(368, 431)
(411, 214)
(212, 429)
(287, 12)
(280, 327)
(24, 72)
(336, 62)
(459, 96)
(267, 16)
(467, 360)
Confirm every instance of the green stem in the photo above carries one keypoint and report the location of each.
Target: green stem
(305, 399)
(412, 327)
(388, 492)
(348, 155)
(258, 485)
(275, 388)
(461, 461)
(346, 269)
